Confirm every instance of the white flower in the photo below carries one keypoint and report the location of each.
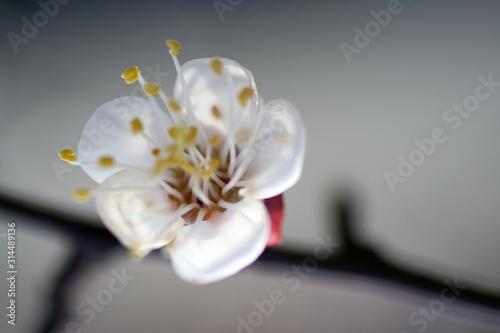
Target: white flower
(192, 179)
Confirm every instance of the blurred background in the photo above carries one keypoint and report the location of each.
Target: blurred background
(401, 104)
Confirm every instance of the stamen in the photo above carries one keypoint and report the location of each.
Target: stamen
(177, 134)
(106, 162)
(136, 126)
(136, 255)
(152, 88)
(174, 47)
(195, 188)
(185, 140)
(68, 155)
(212, 191)
(214, 162)
(174, 50)
(228, 205)
(205, 188)
(130, 189)
(216, 112)
(163, 164)
(191, 136)
(230, 126)
(232, 160)
(170, 179)
(174, 106)
(67, 152)
(171, 190)
(215, 141)
(156, 152)
(216, 66)
(187, 208)
(245, 95)
(131, 74)
(81, 195)
(196, 156)
(171, 112)
(238, 174)
(151, 97)
(217, 180)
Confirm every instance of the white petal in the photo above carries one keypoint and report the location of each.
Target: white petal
(207, 89)
(220, 247)
(142, 220)
(277, 152)
(108, 133)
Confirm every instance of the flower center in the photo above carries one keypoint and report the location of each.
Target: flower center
(191, 174)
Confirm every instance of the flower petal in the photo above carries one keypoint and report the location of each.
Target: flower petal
(221, 246)
(207, 89)
(276, 212)
(277, 152)
(108, 133)
(140, 215)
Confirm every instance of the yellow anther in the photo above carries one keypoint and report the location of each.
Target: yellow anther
(67, 152)
(172, 149)
(189, 168)
(216, 112)
(178, 134)
(106, 162)
(214, 141)
(67, 158)
(81, 195)
(135, 255)
(245, 95)
(132, 78)
(152, 88)
(161, 164)
(191, 136)
(131, 74)
(156, 152)
(174, 106)
(129, 71)
(174, 47)
(165, 163)
(216, 66)
(175, 153)
(67, 155)
(136, 126)
(214, 162)
(205, 174)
